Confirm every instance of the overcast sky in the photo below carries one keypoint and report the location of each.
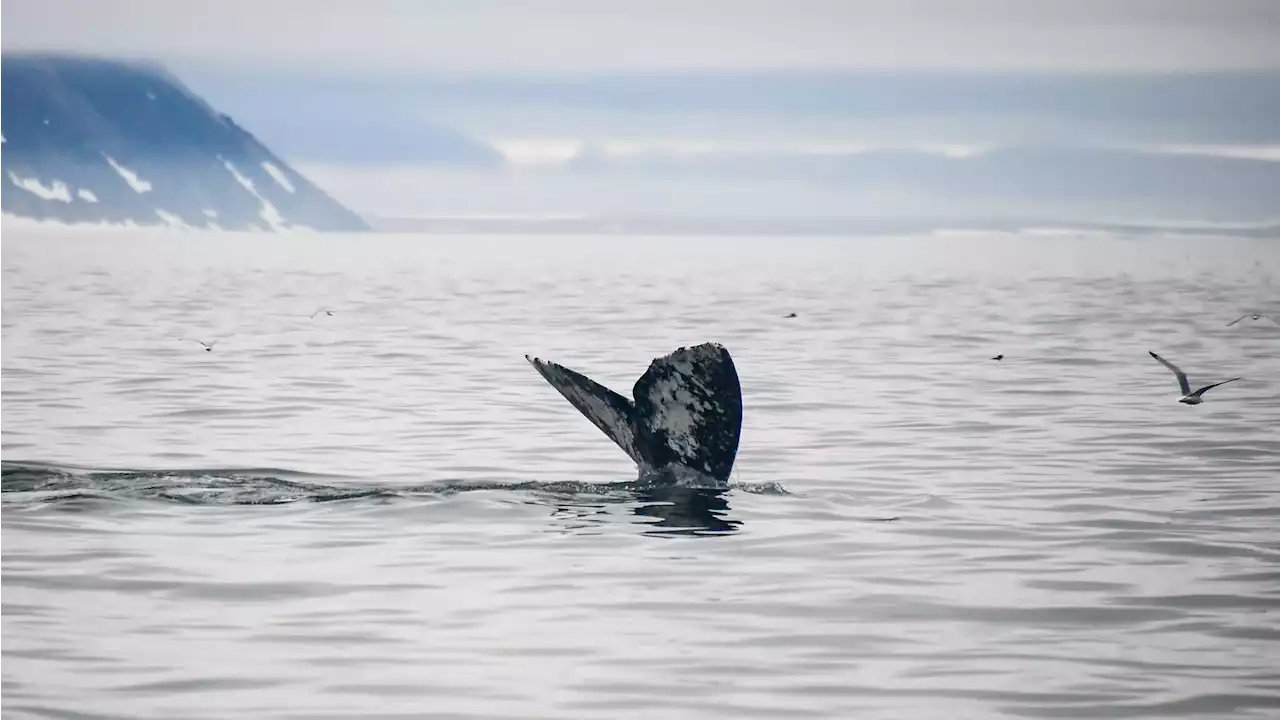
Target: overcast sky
(535, 36)
(437, 89)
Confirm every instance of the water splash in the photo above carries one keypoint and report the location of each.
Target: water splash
(47, 482)
(34, 485)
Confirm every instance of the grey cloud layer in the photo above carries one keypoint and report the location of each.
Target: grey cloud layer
(665, 35)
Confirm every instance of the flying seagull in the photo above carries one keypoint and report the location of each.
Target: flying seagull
(1251, 316)
(321, 310)
(998, 357)
(1188, 397)
(208, 347)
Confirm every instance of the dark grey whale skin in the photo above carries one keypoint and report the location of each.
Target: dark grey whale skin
(685, 421)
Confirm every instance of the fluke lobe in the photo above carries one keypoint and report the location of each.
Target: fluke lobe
(684, 423)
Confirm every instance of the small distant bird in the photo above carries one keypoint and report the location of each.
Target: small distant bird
(789, 316)
(321, 310)
(1254, 316)
(998, 357)
(208, 347)
(1188, 397)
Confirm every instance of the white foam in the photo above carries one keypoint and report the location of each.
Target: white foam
(56, 191)
(138, 184)
(170, 219)
(151, 95)
(87, 195)
(278, 175)
(268, 211)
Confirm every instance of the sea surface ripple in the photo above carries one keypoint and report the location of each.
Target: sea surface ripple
(386, 513)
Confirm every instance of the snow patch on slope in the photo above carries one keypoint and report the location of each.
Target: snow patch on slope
(56, 191)
(170, 219)
(138, 184)
(278, 175)
(104, 228)
(268, 212)
(47, 225)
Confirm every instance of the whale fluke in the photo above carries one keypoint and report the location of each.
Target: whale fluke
(685, 419)
(605, 408)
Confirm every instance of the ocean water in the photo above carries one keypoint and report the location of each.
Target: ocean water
(386, 513)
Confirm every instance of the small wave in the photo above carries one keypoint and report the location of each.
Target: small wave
(45, 482)
(39, 482)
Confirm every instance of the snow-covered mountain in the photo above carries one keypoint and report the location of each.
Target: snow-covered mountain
(95, 140)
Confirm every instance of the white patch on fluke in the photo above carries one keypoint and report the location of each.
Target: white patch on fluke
(56, 191)
(676, 410)
(278, 175)
(87, 195)
(268, 211)
(138, 184)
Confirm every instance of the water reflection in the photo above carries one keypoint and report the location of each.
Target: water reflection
(686, 511)
(663, 511)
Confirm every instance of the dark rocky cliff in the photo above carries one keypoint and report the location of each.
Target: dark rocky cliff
(95, 140)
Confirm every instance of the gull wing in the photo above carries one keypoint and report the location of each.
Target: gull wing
(1182, 377)
(1207, 388)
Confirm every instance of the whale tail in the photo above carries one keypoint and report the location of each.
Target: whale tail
(686, 414)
